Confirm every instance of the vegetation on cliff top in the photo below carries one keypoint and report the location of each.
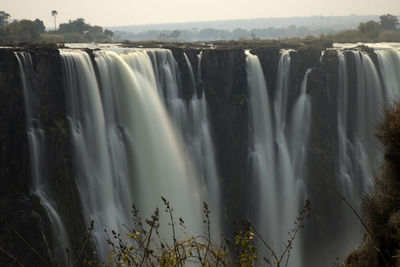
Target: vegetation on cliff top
(27, 31)
(386, 30)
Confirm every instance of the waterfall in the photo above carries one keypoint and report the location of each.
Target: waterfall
(202, 148)
(282, 92)
(190, 118)
(37, 148)
(389, 69)
(93, 170)
(126, 148)
(199, 58)
(278, 154)
(264, 188)
(191, 74)
(345, 167)
(370, 106)
(358, 153)
(356, 121)
(138, 134)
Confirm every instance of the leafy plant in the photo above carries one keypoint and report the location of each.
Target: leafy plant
(143, 245)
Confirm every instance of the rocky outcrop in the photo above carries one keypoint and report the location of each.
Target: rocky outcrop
(225, 83)
(20, 210)
(17, 207)
(322, 87)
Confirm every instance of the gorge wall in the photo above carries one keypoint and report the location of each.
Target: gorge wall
(221, 76)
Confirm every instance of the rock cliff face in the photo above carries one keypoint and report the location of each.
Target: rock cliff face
(225, 84)
(224, 80)
(19, 208)
(322, 87)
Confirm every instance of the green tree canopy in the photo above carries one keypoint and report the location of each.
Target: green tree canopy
(78, 26)
(369, 29)
(389, 22)
(109, 33)
(40, 25)
(4, 18)
(79, 31)
(20, 31)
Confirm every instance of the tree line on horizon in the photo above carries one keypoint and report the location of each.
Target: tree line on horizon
(211, 34)
(386, 30)
(372, 31)
(73, 31)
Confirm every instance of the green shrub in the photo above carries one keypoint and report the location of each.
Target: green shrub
(382, 204)
(142, 244)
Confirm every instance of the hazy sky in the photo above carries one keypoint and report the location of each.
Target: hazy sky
(128, 12)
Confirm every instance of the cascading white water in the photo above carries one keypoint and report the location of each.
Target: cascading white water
(279, 152)
(290, 153)
(126, 149)
(35, 132)
(167, 77)
(37, 148)
(281, 135)
(190, 118)
(389, 69)
(191, 73)
(201, 147)
(356, 121)
(344, 165)
(93, 169)
(282, 91)
(370, 106)
(358, 153)
(262, 160)
(199, 58)
(300, 124)
(161, 167)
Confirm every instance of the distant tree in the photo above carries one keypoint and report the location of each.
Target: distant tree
(239, 33)
(4, 18)
(369, 29)
(65, 27)
(40, 25)
(95, 29)
(389, 22)
(109, 33)
(79, 25)
(79, 31)
(162, 36)
(28, 30)
(175, 34)
(54, 13)
(20, 31)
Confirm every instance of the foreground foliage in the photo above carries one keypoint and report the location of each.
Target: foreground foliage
(142, 244)
(381, 205)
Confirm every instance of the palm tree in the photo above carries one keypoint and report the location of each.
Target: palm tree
(54, 13)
